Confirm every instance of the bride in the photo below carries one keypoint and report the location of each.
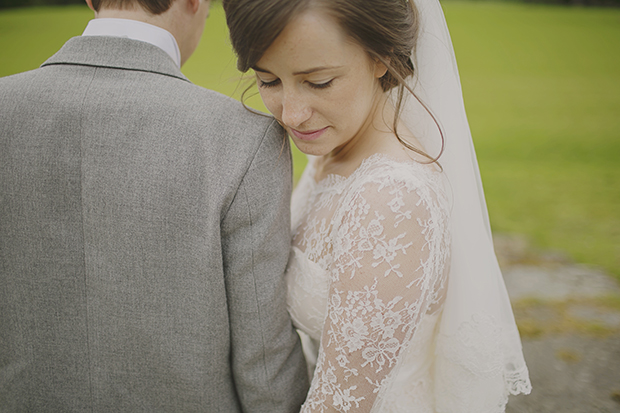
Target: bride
(393, 282)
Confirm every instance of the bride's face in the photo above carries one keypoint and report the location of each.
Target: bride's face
(321, 85)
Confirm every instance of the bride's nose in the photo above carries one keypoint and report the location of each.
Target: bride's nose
(295, 109)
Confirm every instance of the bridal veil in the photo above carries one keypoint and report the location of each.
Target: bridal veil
(479, 359)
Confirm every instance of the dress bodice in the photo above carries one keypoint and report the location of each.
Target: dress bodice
(366, 282)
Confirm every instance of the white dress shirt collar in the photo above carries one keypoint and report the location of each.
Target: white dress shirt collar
(136, 30)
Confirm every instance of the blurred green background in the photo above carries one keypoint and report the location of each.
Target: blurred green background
(542, 90)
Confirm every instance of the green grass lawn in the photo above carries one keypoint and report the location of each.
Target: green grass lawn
(542, 89)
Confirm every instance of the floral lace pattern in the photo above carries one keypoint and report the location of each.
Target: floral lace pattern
(377, 247)
(472, 362)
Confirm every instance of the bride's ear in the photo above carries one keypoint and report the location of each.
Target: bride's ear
(381, 67)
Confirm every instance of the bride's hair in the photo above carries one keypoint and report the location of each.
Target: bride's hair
(386, 29)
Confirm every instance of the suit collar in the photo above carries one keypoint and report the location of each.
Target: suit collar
(117, 53)
(137, 30)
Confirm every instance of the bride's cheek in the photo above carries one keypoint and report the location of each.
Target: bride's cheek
(273, 105)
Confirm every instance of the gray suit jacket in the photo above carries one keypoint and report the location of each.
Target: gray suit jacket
(144, 231)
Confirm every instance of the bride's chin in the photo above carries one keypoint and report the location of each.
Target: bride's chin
(309, 151)
(309, 148)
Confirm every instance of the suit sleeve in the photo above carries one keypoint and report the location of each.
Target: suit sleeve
(267, 361)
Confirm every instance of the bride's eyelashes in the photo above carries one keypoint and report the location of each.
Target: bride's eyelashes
(276, 82)
(323, 85)
(273, 83)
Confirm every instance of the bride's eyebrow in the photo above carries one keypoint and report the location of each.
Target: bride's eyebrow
(302, 72)
(258, 69)
(316, 69)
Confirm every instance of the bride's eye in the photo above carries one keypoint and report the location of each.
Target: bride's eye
(321, 85)
(273, 83)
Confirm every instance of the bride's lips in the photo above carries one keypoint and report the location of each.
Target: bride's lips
(309, 135)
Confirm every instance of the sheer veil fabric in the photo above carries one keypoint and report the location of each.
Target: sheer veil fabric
(479, 359)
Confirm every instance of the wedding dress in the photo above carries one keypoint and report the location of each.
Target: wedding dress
(367, 279)
(393, 281)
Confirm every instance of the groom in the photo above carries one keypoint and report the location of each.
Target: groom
(143, 230)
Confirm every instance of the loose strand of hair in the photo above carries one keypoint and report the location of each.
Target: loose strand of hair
(401, 87)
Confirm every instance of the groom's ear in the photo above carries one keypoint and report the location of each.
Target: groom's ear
(193, 5)
(90, 5)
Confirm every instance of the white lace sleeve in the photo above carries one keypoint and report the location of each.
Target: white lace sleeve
(390, 245)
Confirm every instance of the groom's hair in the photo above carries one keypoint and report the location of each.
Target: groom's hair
(151, 6)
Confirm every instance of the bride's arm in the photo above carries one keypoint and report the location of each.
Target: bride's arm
(391, 248)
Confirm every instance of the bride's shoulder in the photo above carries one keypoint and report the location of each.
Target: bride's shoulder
(390, 186)
(386, 171)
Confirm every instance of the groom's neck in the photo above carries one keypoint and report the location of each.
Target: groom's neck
(184, 19)
(134, 14)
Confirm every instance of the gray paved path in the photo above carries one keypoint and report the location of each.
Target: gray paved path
(569, 316)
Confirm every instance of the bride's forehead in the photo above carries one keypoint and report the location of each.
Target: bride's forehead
(309, 27)
(313, 35)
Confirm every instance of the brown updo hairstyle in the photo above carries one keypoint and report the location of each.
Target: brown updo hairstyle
(386, 29)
